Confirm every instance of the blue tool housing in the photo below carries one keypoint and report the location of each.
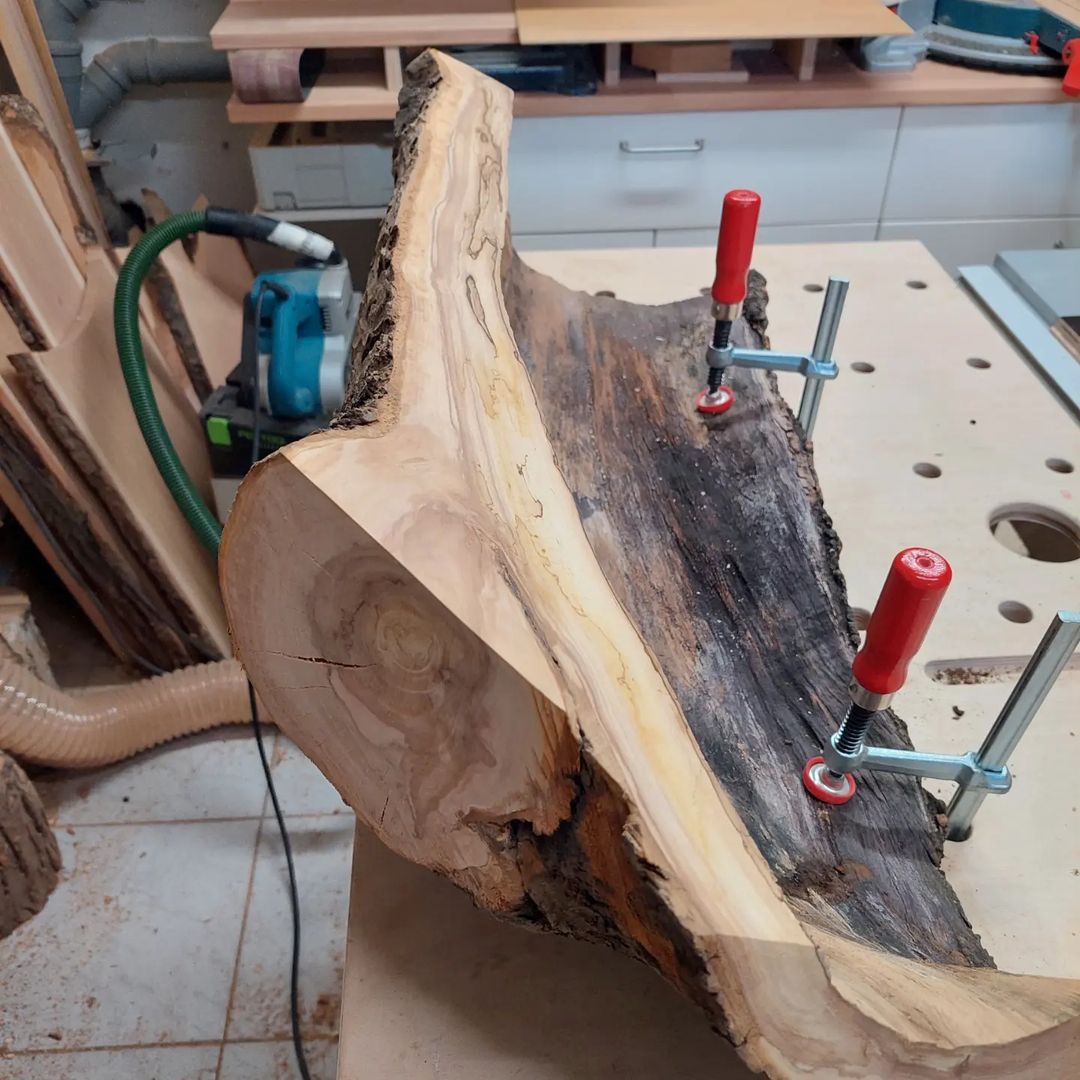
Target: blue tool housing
(291, 335)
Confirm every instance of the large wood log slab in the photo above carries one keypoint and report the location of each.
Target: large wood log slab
(558, 639)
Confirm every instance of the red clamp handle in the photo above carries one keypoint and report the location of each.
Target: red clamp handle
(1071, 55)
(735, 245)
(905, 609)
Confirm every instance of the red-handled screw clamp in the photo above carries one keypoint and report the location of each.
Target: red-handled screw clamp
(909, 600)
(1071, 56)
(912, 593)
(734, 250)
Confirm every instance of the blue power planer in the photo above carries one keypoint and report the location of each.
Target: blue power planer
(298, 327)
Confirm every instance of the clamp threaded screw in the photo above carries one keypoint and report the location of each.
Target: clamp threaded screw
(721, 339)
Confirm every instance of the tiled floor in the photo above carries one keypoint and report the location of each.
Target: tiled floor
(164, 952)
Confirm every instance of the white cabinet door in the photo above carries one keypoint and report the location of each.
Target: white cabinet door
(972, 161)
(963, 243)
(671, 171)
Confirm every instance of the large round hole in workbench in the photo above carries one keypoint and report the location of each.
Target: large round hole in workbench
(916, 285)
(1014, 611)
(1036, 532)
(862, 367)
(924, 468)
(814, 287)
(1058, 464)
(978, 362)
(605, 292)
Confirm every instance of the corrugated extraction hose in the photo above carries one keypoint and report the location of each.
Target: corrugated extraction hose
(105, 724)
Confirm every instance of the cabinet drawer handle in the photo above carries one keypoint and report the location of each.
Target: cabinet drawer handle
(693, 148)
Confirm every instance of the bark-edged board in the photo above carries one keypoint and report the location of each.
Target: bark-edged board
(78, 388)
(414, 593)
(46, 249)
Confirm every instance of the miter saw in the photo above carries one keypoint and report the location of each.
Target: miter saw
(1018, 36)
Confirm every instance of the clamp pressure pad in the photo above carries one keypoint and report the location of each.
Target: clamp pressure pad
(820, 783)
(714, 404)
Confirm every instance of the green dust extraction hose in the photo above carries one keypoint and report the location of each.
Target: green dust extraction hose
(133, 362)
(136, 266)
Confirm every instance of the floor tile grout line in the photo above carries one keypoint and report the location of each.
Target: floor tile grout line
(58, 825)
(196, 1044)
(239, 950)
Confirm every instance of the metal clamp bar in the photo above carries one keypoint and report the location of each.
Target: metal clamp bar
(831, 309)
(693, 148)
(962, 769)
(766, 360)
(1046, 664)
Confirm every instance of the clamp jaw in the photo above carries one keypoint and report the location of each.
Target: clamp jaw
(734, 251)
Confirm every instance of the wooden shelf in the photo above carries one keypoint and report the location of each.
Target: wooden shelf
(362, 96)
(837, 86)
(335, 96)
(564, 22)
(337, 24)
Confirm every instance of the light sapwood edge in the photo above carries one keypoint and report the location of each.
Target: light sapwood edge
(691, 892)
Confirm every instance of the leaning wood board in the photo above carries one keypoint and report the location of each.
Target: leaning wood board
(565, 22)
(23, 43)
(44, 263)
(79, 388)
(588, 726)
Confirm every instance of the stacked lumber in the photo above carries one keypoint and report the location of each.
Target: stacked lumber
(74, 470)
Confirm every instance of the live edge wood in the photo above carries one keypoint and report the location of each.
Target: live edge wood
(556, 638)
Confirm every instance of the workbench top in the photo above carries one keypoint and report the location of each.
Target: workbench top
(947, 429)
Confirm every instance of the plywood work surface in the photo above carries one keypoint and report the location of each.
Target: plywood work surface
(990, 430)
(545, 22)
(1016, 877)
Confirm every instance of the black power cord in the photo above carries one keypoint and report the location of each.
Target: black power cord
(153, 669)
(294, 895)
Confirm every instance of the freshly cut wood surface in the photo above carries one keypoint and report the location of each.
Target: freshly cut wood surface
(256, 24)
(502, 693)
(548, 22)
